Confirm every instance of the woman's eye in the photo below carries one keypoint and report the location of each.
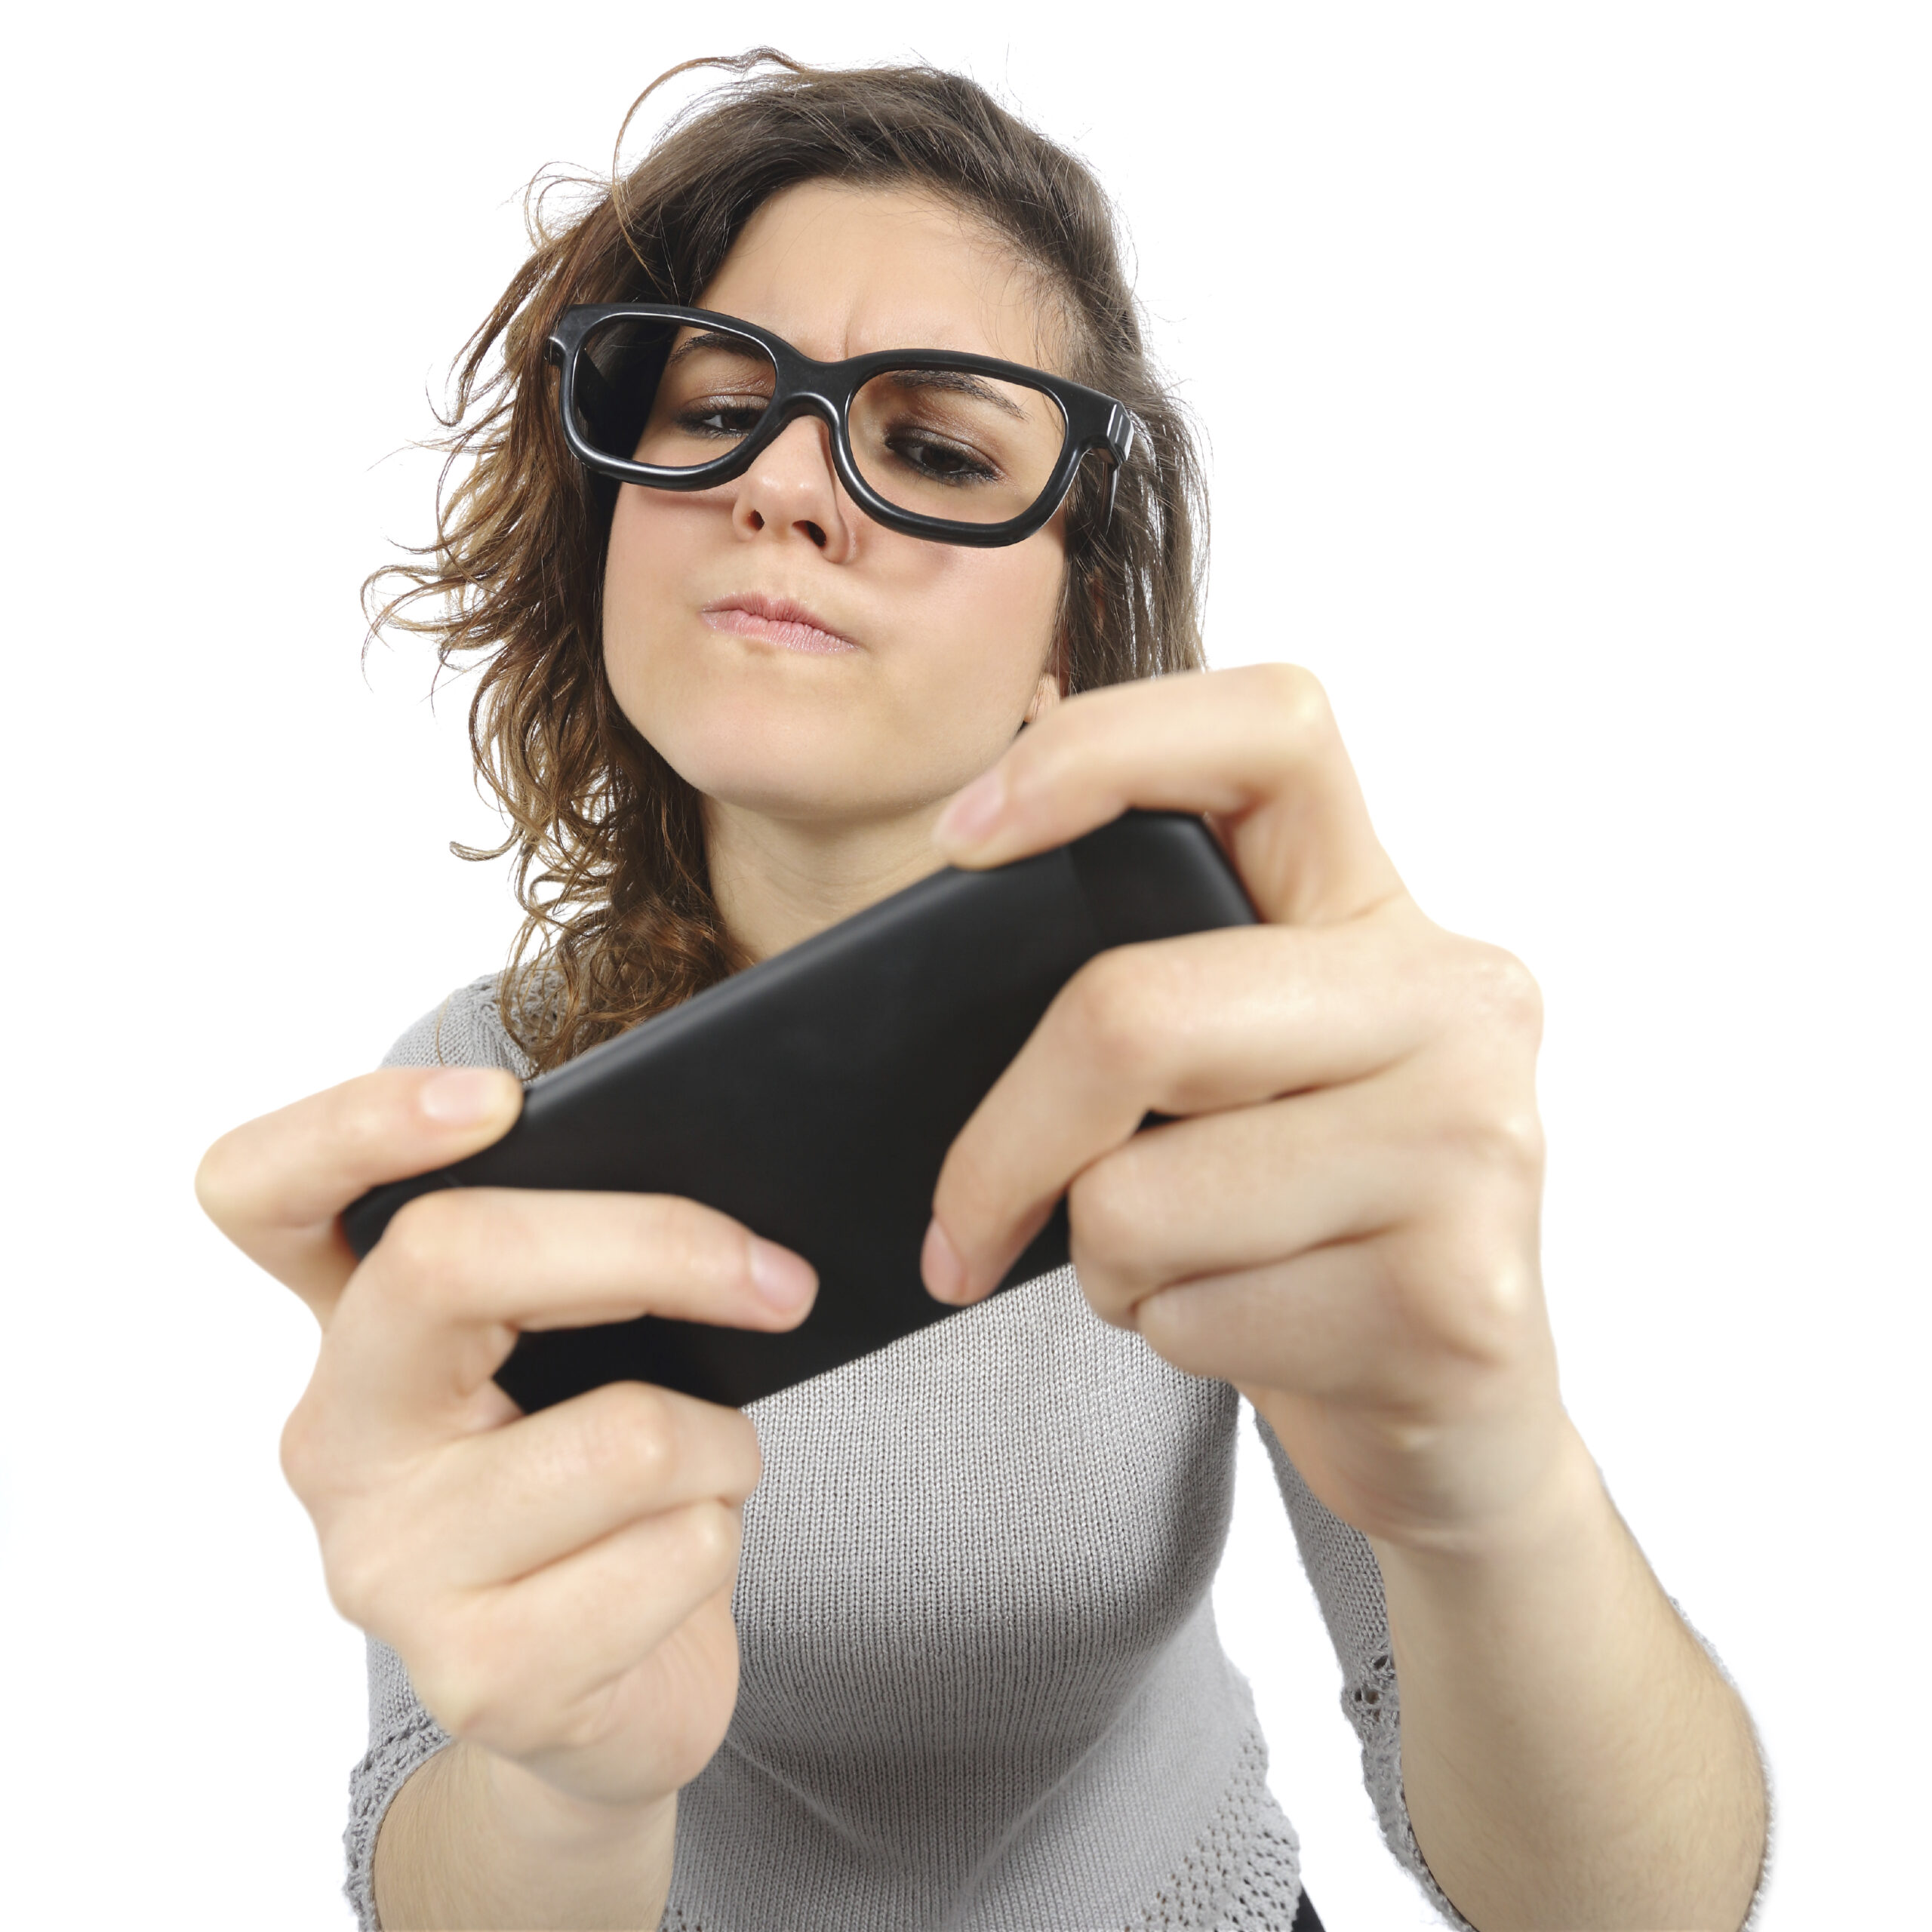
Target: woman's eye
(717, 417)
(941, 460)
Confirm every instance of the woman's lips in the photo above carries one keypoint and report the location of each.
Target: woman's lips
(777, 620)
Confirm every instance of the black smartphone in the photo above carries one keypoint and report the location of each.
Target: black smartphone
(813, 1097)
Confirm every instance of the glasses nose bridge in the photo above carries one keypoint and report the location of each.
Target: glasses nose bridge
(804, 396)
(808, 402)
(804, 391)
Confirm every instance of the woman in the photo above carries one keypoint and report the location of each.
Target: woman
(968, 1575)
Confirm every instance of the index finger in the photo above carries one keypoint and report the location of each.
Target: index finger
(437, 1304)
(275, 1185)
(1256, 748)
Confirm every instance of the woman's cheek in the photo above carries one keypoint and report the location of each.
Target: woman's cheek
(649, 563)
(999, 618)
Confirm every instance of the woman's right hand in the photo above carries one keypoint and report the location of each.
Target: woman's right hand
(558, 1586)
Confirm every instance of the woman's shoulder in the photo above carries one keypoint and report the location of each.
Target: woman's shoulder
(467, 1029)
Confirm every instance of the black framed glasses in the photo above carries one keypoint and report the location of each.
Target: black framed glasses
(935, 443)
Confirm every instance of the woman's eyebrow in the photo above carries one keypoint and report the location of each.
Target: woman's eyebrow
(960, 383)
(734, 344)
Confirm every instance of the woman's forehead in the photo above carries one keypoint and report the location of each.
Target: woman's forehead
(839, 270)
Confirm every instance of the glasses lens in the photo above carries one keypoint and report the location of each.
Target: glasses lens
(669, 394)
(951, 444)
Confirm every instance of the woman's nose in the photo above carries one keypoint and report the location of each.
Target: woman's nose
(792, 488)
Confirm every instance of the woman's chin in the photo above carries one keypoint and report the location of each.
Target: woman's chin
(813, 796)
(842, 769)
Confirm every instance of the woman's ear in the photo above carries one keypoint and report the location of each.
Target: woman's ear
(1054, 679)
(1047, 694)
(1052, 687)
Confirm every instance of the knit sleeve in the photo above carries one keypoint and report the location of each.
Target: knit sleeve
(1347, 1581)
(465, 1031)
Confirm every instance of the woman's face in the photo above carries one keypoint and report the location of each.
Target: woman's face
(786, 655)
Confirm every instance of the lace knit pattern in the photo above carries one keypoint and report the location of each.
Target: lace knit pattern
(402, 1736)
(1245, 1874)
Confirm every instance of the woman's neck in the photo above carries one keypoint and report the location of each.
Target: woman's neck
(777, 881)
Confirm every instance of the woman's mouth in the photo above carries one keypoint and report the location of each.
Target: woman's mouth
(776, 620)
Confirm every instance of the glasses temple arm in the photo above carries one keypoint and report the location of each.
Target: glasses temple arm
(1121, 433)
(595, 399)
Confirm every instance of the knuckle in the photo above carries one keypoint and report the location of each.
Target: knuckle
(582, 1724)
(1505, 991)
(694, 1242)
(1492, 1306)
(628, 1431)
(321, 1457)
(1502, 1143)
(303, 1448)
(1108, 1003)
(363, 1116)
(743, 1456)
(1294, 696)
(1106, 1211)
(219, 1187)
(1476, 1293)
(714, 1533)
(426, 1251)
(460, 1680)
(357, 1572)
(478, 1667)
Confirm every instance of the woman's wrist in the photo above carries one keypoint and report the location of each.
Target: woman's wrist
(1456, 1494)
(1557, 1506)
(527, 1809)
(474, 1839)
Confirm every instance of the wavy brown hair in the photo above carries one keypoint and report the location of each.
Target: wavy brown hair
(620, 922)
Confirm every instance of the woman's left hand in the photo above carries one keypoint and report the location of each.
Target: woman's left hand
(1341, 1219)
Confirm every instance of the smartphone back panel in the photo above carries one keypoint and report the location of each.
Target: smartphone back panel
(813, 1097)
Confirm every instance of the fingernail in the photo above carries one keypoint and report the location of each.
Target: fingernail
(974, 813)
(939, 1264)
(784, 1280)
(462, 1095)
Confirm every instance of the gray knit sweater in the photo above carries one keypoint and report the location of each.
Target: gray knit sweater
(981, 1687)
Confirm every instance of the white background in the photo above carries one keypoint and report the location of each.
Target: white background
(1566, 374)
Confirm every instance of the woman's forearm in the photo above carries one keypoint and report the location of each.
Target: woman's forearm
(471, 1840)
(1571, 1757)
